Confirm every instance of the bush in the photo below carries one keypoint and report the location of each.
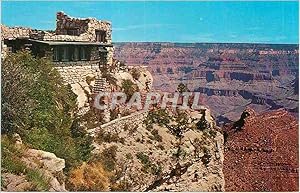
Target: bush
(156, 136)
(160, 117)
(108, 158)
(129, 88)
(89, 79)
(40, 107)
(108, 137)
(39, 181)
(206, 157)
(89, 177)
(62, 146)
(10, 156)
(147, 165)
(132, 130)
(83, 141)
(182, 88)
(16, 83)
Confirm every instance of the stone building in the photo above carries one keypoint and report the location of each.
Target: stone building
(77, 47)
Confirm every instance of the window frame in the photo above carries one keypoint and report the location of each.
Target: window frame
(56, 51)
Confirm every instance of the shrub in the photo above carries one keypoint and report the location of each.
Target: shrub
(129, 88)
(147, 165)
(129, 156)
(132, 130)
(16, 83)
(156, 136)
(93, 118)
(125, 128)
(83, 141)
(182, 88)
(160, 117)
(39, 181)
(62, 146)
(108, 137)
(89, 177)
(10, 156)
(114, 114)
(108, 158)
(39, 106)
(161, 147)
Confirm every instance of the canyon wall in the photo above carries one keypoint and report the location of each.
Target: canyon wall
(229, 76)
(264, 155)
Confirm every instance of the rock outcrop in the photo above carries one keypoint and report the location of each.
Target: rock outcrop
(40, 163)
(263, 155)
(147, 161)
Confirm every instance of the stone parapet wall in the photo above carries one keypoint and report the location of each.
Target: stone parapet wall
(77, 63)
(86, 27)
(75, 74)
(117, 125)
(48, 36)
(14, 32)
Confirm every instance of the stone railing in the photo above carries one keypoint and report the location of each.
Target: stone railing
(14, 32)
(117, 125)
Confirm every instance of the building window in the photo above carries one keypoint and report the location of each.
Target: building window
(65, 54)
(100, 36)
(76, 54)
(55, 54)
(71, 53)
(73, 32)
(83, 53)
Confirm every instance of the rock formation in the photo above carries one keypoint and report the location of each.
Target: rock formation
(229, 76)
(146, 157)
(37, 162)
(263, 156)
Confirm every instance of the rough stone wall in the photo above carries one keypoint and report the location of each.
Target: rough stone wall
(110, 55)
(76, 74)
(14, 32)
(117, 125)
(86, 27)
(45, 163)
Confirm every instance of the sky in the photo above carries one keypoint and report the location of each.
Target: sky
(227, 22)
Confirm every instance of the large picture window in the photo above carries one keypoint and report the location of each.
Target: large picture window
(67, 53)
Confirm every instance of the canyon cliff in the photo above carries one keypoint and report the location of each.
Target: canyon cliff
(229, 76)
(263, 155)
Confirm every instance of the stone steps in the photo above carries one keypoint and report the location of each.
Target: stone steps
(101, 85)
